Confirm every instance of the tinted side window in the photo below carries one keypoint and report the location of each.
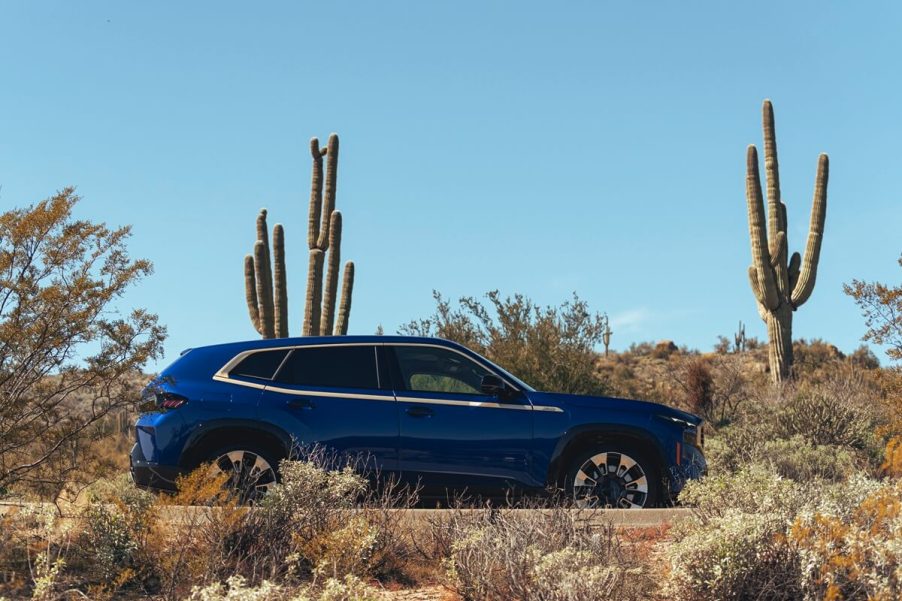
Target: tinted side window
(260, 365)
(331, 367)
(431, 369)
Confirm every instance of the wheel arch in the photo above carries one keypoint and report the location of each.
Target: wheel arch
(218, 434)
(585, 437)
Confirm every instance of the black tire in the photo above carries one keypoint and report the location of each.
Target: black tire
(251, 469)
(632, 479)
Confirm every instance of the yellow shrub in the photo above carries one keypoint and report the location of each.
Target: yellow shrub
(892, 462)
(858, 557)
(347, 550)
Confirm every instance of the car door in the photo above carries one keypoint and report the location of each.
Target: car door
(330, 395)
(451, 435)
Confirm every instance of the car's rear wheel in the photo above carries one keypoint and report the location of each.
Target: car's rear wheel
(618, 476)
(250, 472)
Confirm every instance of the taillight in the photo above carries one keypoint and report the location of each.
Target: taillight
(169, 400)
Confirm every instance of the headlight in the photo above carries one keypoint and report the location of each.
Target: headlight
(692, 434)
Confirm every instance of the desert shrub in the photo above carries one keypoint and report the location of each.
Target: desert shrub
(550, 348)
(752, 489)
(548, 554)
(742, 543)
(68, 358)
(35, 551)
(795, 458)
(810, 358)
(864, 358)
(853, 556)
(881, 307)
(807, 430)
(738, 555)
(699, 388)
(113, 528)
(323, 521)
(838, 412)
(236, 588)
(299, 522)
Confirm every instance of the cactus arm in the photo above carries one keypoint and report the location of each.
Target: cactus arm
(329, 198)
(805, 284)
(760, 255)
(344, 310)
(264, 276)
(780, 244)
(756, 290)
(776, 219)
(314, 293)
(316, 195)
(264, 269)
(265, 303)
(250, 293)
(776, 209)
(333, 259)
(794, 262)
(280, 282)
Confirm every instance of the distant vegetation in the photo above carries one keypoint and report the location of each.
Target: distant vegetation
(550, 348)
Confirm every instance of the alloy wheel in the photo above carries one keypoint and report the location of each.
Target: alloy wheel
(611, 479)
(249, 474)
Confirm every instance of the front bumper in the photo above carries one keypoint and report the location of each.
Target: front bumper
(153, 476)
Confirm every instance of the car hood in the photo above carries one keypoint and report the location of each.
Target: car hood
(611, 404)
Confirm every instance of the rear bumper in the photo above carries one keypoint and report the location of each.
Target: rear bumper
(153, 476)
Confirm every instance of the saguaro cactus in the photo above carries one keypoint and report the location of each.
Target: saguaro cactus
(739, 338)
(265, 276)
(324, 241)
(267, 302)
(780, 283)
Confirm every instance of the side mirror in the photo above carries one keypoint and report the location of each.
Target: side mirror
(492, 385)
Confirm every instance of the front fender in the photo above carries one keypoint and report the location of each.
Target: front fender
(603, 431)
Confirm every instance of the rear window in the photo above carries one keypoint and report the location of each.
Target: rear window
(261, 365)
(331, 367)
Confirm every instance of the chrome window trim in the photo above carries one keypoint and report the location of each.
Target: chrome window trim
(222, 375)
(223, 371)
(486, 404)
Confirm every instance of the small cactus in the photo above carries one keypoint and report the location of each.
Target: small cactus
(606, 337)
(265, 276)
(780, 283)
(739, 338)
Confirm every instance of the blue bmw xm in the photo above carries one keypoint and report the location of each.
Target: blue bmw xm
(429, 412)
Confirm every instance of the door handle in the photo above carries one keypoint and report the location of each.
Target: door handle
(420, 412)
(300, 404)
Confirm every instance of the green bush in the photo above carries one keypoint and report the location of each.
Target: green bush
(113, 526)
(828, 414)
(745, 541)
(236, 588)
(796, 458)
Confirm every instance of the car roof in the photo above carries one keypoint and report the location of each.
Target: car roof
(326, 340)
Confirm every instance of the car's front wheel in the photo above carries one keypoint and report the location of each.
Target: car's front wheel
(614, 476)
(249, 471)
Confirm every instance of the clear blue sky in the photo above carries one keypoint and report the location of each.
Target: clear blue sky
(532, 147)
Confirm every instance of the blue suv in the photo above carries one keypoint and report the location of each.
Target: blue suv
(429, 412)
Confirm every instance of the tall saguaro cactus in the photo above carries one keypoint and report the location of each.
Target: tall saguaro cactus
(781, 283)
(265, 276)
(324, 241)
